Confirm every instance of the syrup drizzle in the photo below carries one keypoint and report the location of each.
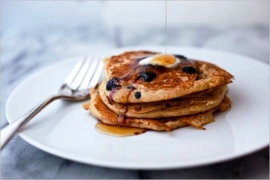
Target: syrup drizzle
(122, 116)
(118, 130)
(111, 95)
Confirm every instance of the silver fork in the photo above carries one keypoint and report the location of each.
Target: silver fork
(85, 74)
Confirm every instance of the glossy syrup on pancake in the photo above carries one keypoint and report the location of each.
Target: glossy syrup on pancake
(144, 70)
(145, 74)
(188, 77)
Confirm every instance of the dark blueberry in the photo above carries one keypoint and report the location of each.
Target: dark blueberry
(111, 84)
(130, 87)
(189, 69)
(180, 56)
(137, 95)
(147, 76)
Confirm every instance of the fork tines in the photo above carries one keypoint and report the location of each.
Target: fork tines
(85, 74)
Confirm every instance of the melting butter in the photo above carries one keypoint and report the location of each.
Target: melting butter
(166, 60)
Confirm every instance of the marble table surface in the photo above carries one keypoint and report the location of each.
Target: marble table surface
(26, 52)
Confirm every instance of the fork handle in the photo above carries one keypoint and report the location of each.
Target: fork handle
(10, 130)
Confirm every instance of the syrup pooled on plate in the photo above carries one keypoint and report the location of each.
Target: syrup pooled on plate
(118, 130)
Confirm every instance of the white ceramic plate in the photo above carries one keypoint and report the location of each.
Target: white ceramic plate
(66, 130)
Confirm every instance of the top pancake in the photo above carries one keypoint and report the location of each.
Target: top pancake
(168, 83)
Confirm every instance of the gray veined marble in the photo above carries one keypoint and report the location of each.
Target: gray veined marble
(24, 52)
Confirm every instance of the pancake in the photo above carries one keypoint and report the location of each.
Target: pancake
(99, 110)
(129, 86)
(186, 105)
(160, 92)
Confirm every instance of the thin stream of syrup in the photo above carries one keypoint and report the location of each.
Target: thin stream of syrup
(122, 116)
(166, 28)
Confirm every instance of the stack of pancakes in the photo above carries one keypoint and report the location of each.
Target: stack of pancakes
(153, 96)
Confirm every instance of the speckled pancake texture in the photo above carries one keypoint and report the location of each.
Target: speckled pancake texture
(186, 105)
(169, 83)
(99, 110)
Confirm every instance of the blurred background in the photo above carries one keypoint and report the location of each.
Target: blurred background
(75, 27)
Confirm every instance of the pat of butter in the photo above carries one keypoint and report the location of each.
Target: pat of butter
(165, 60)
